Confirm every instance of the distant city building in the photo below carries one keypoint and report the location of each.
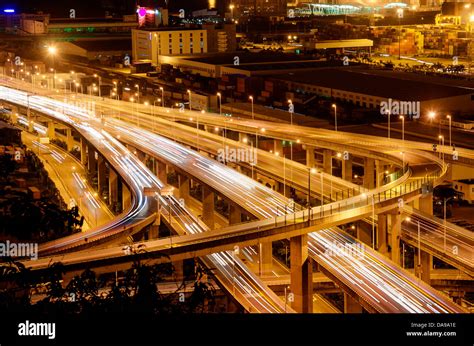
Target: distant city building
(260, 7)
(465, 188)
(149, 44)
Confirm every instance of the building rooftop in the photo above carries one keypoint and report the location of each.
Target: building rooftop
(104, 45)
(248, 58)
(354, 80)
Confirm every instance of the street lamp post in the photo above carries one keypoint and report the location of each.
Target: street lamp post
(162, 96)
(251, 100)
(449, 119)
(231, 6)
(189, 92)
(219, 96)
(291, 108)
(444, 223)
(100, 84)
(53, 51)
(403, 129)
(388, 120)
(335, 116)
(310, 171)
(419, 249)
(138, 93)
(441, 140)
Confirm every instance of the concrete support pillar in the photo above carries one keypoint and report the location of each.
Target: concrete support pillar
(347, 169)
(369, 172)
(69, 139)
(113, 187)
(91, 161)
(301, 275)
(179, 270)
(396, 227)
(235, 216)
(364, 233)
(51, 130)
(153, 231)
(426, 204)
(208, 207)
(327, 161)
(382, 245)
(309, 156)
(379, 172)
(278, 146)
(183, 182)
(83, 151)
(160, 169)
(266, 258)
(284, 189)
(101, 175)
(30, 120)
(351, 306)
(426, 266)
(126, 197)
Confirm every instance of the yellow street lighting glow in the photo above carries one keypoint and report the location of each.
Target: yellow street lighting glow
(313, 171)
(52, 50)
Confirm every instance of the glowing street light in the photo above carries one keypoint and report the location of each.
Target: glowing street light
(335, 115)
(449, 119)
(219, 95)
(402, 118)
(162, 96)
(189, 92)
(251, 100)
(52, 50)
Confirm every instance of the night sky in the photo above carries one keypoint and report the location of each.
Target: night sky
(95, 8)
